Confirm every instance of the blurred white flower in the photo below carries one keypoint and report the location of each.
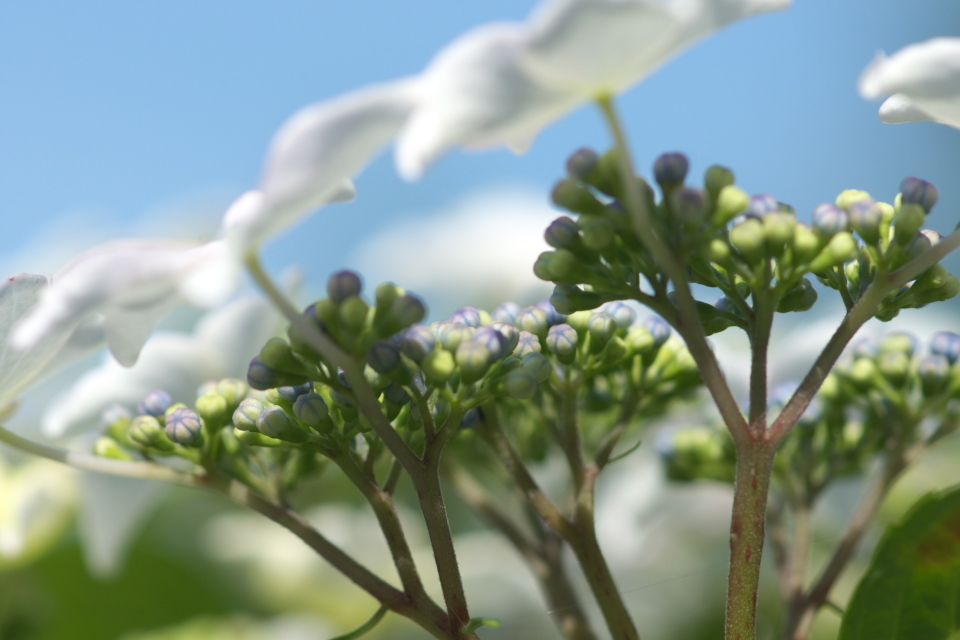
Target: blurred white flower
(221, 345)
(19, 369)
(499, 84)
(924, 79)
(478, 252)
(132, 284)
(313, 156)
(36, 504)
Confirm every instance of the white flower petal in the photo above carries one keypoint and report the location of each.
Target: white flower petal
(316, 152)
(19, 369)
(898, 109)
(927, 74)
(132, 283)
(475, 94)
(221, 346)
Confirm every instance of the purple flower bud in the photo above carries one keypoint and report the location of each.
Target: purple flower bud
(934, 371)
(866, 218)
(417, 342)
(183, 426)
(290, 394)
(383, 357)
(492, 340)
(467, 315)
(829, 219)
(689, 206)
(344, 284)
(311, 410)
(602, 326)
(520, 384)
(155, 403)
(623, 314)
(553, 316)
(511, 335)
(396, 394)
(473, 359)
(658, 328)
(946, 344)
(406, 310)
(917, 191)
(527, 343)
(507, 312)
(562, 342)
(581, 162)
(761, 204)
(563, 233)
(470, 419)
(275, 423)
(537, 365)
(671, 169)
(260, 376)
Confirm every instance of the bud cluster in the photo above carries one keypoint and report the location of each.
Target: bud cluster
(752, 248)
(884, 397)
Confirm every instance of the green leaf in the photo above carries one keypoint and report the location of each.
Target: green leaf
(912, 588)
(476, 623)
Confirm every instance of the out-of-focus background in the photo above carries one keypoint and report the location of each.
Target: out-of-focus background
(146, 119)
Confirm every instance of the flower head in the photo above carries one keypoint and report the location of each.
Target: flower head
(924, 80)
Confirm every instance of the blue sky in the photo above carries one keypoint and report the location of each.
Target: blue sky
(113, 113)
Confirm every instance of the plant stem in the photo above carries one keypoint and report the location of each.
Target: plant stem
(807, 609)
(764, 306)
(754, 469)
(544, 556)
(688, 324)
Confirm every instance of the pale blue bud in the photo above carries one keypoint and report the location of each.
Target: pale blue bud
(670, 169)
(511, 335)
(183, 426)
(493, 341)
(921, 192)
(946, 344)
(344, 284)
(562, 342)
(533, 320)
(155, 403)
(761, 204)
(527, 343)
(506, 312)
(417, 342)
(246, 415)
(311, 410)
(290, 394)
(829, 219)
(466, 315)
(623, 314)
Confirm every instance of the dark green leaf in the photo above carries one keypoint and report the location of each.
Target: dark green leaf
(912, 589)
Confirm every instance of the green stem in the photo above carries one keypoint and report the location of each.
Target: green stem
(764, 308)
(89, 462)
(754, 470)
(688, 324)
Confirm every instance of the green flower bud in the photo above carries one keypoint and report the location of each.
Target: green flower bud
(452, 334)
(562, 342)
(533, 320)
(213, 408)
(353, 313)
(568, 299)
(615, 352)
(520, 384)
(278, 355)
(718, 251)
(116, 422)
(255, 439)
(474, 360)
(840, 249)
(537, 365)
(863, 373)
(846, 198)
(748, 238)
(246, 415)
(907, 222)
(800, 298)
(598, 233)
(778, 230)
(563, 233)
(899, 342)
(438, 366)
(527, 343)
(689, 206)
(233, 391)
(895, 367)
(581, 162)
(601, 327)
(405, 311)
(806, 244)
(109, 448)
(572, 195)
(866, 219)
(147, 432)
(732, 200)
(715, 179)
(934, 372)
(275, 423)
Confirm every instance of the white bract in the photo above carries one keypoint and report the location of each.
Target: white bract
(313, 156)
(924, 80)
(131, 284)
(19, 369)
(500, 84)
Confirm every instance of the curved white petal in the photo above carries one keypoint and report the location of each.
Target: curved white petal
(898, 109)
(475, 94)
(221, 346)
(19, 369)
(131, 283)
(927, 74)
(316, 152)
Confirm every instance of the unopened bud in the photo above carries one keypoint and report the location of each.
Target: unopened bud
(343, 285)
(830, 219)
(155, 403)
(670, 170)
(183, 427)
(275, 423)
(917, 191)
(562, 342)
